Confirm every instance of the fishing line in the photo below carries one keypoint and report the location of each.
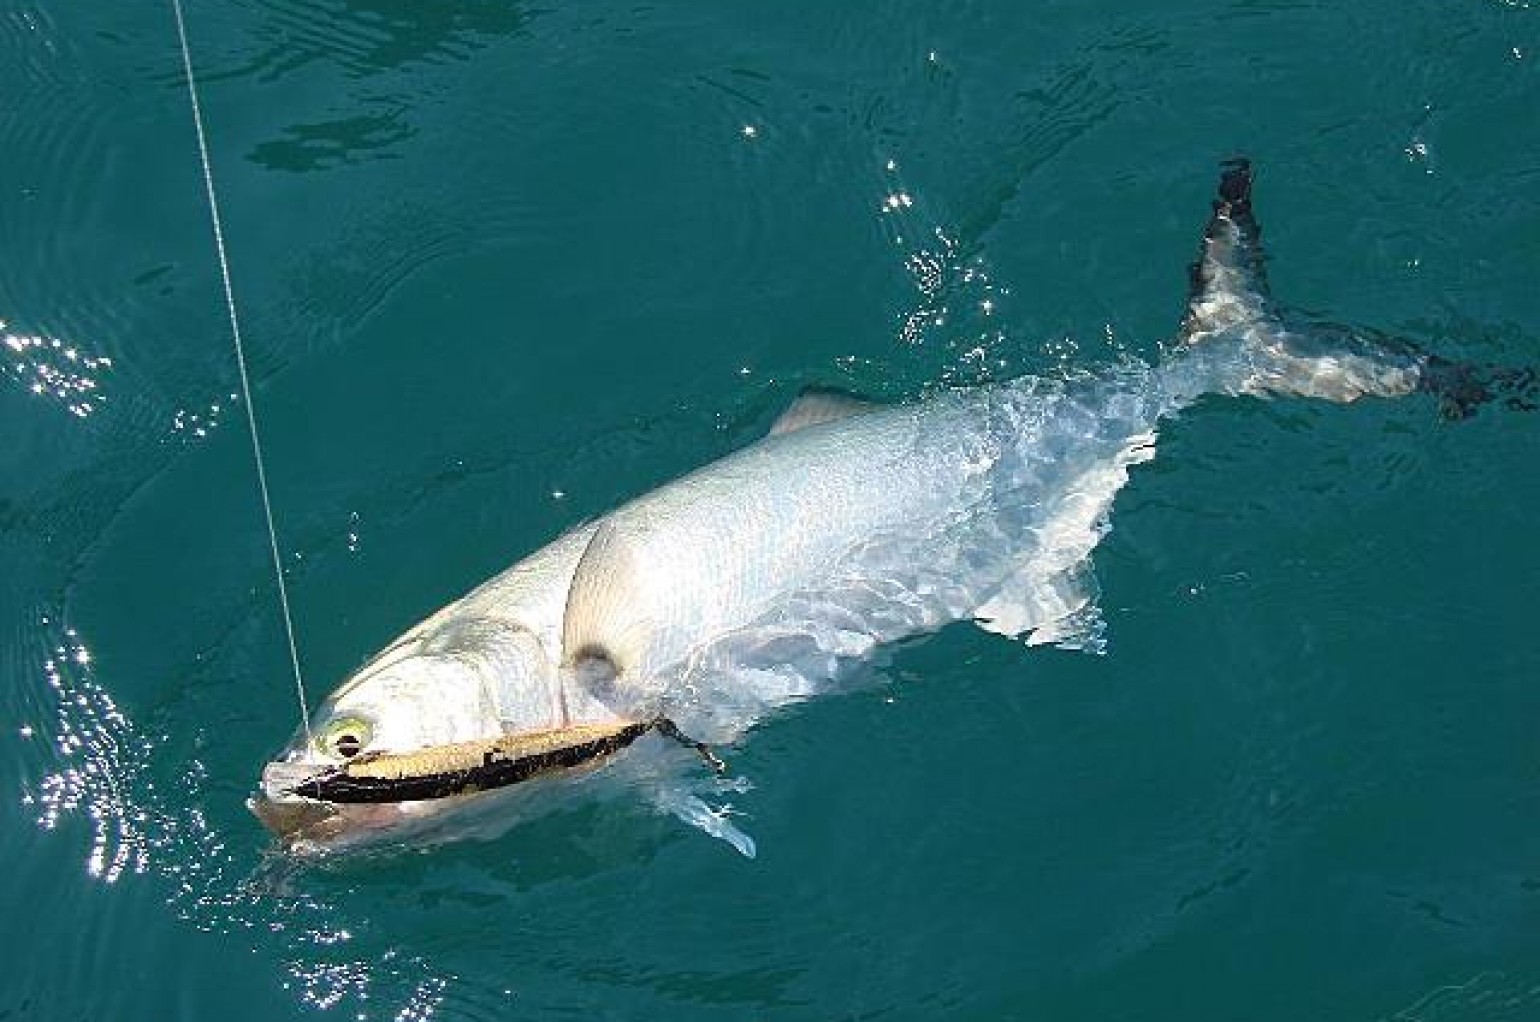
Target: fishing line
(240, 361)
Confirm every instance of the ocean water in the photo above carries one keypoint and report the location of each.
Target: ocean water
(503, 265)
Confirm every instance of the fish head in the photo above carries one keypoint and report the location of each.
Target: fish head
(459, 683)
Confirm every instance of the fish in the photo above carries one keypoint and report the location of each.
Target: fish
(667, 628)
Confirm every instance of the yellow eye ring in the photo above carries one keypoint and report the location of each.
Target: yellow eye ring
(345, 737)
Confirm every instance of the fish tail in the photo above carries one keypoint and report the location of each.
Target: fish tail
(1236, 339)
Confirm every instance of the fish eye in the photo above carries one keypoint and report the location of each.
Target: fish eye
(346, 737)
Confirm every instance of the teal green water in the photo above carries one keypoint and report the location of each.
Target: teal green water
(502, 266)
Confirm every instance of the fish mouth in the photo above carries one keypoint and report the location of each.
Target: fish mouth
(292, 819)
(458, 769)
(320, 804)
(311, 825)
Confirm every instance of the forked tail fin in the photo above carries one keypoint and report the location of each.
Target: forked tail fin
(1236, 340)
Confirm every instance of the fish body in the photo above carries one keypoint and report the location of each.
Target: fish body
(751, 581)
(868, 517)
(745, 583)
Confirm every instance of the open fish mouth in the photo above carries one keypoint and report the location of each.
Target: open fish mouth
(322, 803)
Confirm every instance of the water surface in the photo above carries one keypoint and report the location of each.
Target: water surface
(503, 265)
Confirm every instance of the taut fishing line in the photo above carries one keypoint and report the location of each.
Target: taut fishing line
(240, 361)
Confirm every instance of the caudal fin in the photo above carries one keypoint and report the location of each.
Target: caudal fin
(1237, 340)
(1228, 282)
(1237, 334)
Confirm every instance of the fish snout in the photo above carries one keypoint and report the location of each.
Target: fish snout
(282, 777)
(291, 817)
(310, 825)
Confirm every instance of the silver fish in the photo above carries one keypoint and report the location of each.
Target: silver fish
(754, 581)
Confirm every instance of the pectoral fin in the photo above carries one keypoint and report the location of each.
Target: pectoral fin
(606, 617)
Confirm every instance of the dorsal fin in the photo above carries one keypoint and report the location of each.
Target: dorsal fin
(817, 405)
(604, 619)
(1228, 283)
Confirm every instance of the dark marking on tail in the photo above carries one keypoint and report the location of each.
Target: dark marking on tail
(1229, 302)
(1461, 387)
(1227, 284)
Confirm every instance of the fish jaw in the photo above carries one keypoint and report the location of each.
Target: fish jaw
(326, 819)
(309, 828)
(302, 823)
(291, 818)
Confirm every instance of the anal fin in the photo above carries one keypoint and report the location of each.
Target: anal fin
(1059, 608)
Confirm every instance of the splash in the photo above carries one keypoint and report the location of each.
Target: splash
(957, 303)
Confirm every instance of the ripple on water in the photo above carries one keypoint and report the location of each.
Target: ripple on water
(938, 184)
(347, 140)
(1484, 997)
(367, 37)
(71, 306)
(371, 258)
(60, 164)
(956, 305)
(360, 38)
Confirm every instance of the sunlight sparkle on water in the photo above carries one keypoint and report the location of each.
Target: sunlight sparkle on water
(958, 301)
(198, 424)
(51, 368)
(136, 830)
(102, 754)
